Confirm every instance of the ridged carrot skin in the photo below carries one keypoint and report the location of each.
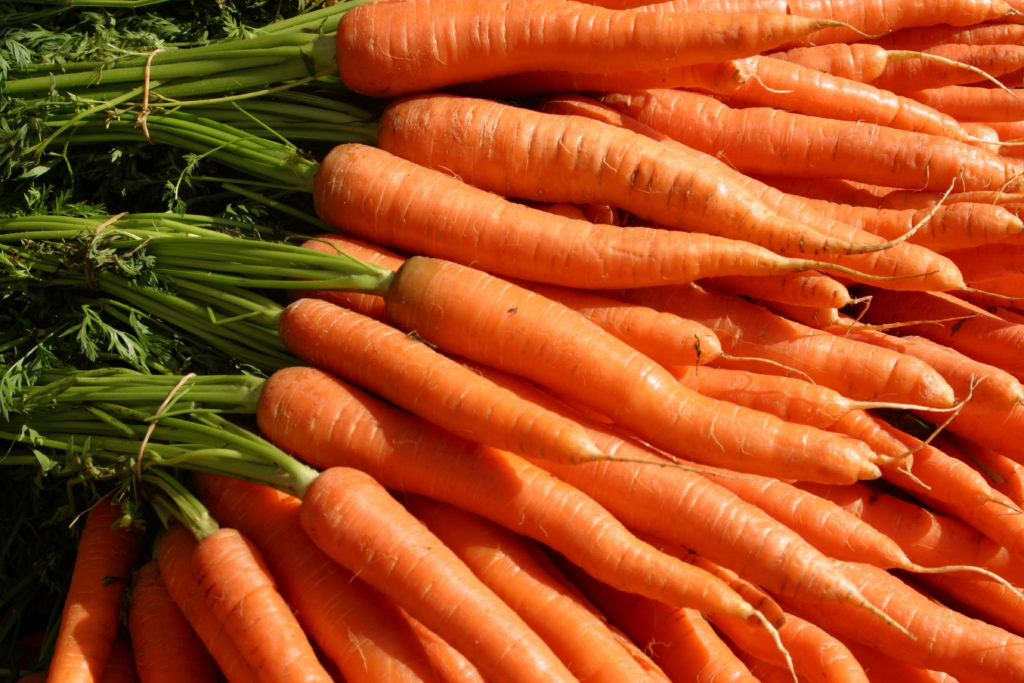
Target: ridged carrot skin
(392, 48)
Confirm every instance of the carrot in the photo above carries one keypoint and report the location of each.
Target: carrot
(353, 624)
(942, 638)
(972, 103)
(856, 370)
(766, 140)
(450, 665)
(979, 598)
(371, 305)
(371, 194)
(241, 594)
(327, 423)
(174, 555)
(120, 666)
(165, 646)
(809, 288)
(1003, 473)
(393, 48)
(882, 668)
(974, 33)
(355, 521)
(940, 480)
(108, 551)
(679, 640)
(861, 62)
(904, 265)
(532, 586)
(669, 339)
(783, 84)
(520, 152)
(985, 62)
(791, 398)
(983, 265)
(590, 366)
(948, 320)
(747, 540)
(411, 374)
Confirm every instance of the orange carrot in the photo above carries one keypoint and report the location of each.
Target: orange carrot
(882, 668)
(411, 374)
(766, 140)
(120, 666)
(980, 598)
(1003, 473)
(370, 305)
(107, 554)
(526, 580)
(942, 638)
(166, 648)
(856, 370)
(992, 32)
(513, 333)
(921, 72)
(521, 152)
(861, 62)
(679, 640)
(174, 555)
(904, 265)
(365, 635)
(791, 86)
(354, 520)
(393, 48)
(240, 593)
(326, 423)
(972, 103)
(369, 193)
(450, 665)
(810, 288)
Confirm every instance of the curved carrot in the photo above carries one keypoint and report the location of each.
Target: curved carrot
(679, 640)
(810, 288)
(856, 370)
(979, 62)
(347, 426)
(942, 638)
(532, 586)
(243, 596)
(861, 62)
(521, 152)
(393, 48)
(905, 266)
(354, 520)
(107, 554)
(590, 366)
(409, 373)
(766, 140)
(369, 193)
(174, 556)
(165, 645)
(352, 623)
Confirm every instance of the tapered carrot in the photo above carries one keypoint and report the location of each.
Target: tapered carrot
(370, 305)
(450, 665)
(174, 556)
(590, 366)
(241, 594)
(952, 321)
(747, 541)
(680, 640)
(1003, 473)
(408, 454)
(791, 86)
(369, 193)
(972, 103)
(354, 520)
(107, 553)
(521, 152)
(992, 32)
(526, 580)
(120, 666)
(411, 374)
(766, 140)
(942, 638)
(990, 601)
(983, 265)
(904, 265)
(809, 288)
(855, 370)
(393, 48)
(353, 624)
(985, 62)
(881, 668)
(943, 482)
(943, 228)
(165, 645)
(862, 62)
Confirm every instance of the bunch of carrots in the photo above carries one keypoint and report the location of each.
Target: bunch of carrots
(675, 341)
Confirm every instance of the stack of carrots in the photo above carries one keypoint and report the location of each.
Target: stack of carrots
(700, 359)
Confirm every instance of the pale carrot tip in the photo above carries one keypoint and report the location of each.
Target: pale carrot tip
(869, 470)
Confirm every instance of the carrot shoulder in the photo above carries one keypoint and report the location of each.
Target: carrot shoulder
(105, 558)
